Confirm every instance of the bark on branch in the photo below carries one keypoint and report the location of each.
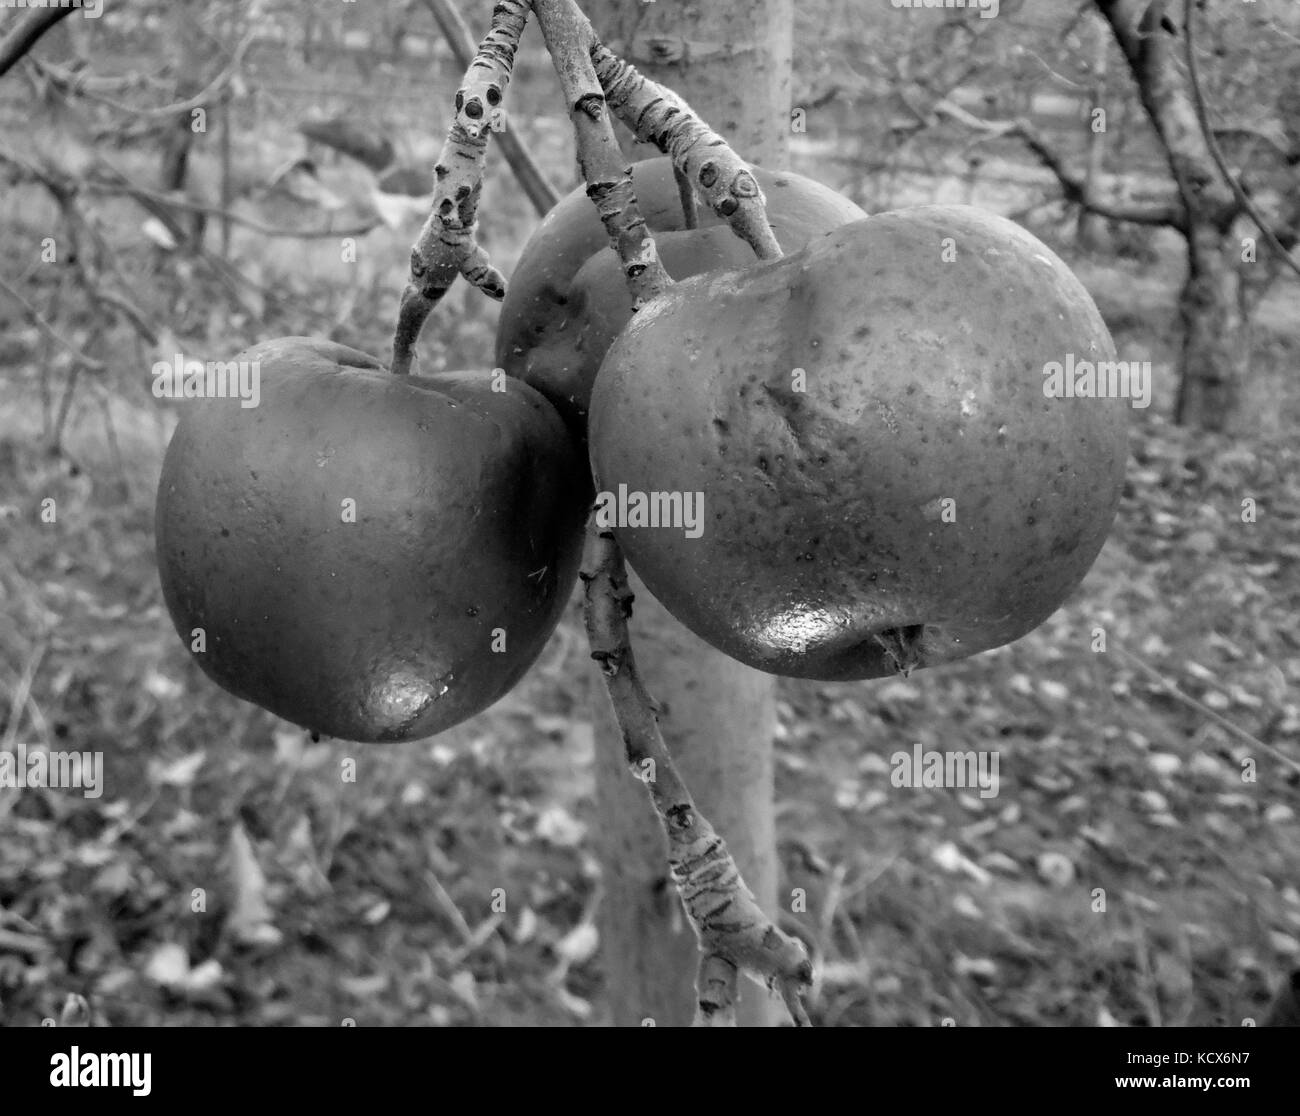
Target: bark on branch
(446, 246)
(569, 38)
(655, 114)
(531, 177)
(734, 933)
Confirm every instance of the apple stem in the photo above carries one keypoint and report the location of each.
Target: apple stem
(595, 80)
(529, 174)
(734, 934)
(446, 246)
(721, 178)
(903, 646)
(690, 213)
(570, 40)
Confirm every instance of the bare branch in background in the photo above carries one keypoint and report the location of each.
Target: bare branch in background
(1202, 116)
(38, 320)
(74, 84)
(26, 35)
(116, 182)
(1075, 188)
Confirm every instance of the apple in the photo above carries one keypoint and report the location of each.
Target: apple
(886, 481)
(568, 299)
(373, 557)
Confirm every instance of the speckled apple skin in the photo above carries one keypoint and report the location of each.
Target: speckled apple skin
(468, 525)
(921, 484)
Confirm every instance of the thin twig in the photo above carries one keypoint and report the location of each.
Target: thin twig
(686, 195)
(120, 185)
(72, 85)
(38, 320)
(22, 690)
(1172, 688)
(1076, 189)
(1216, 153)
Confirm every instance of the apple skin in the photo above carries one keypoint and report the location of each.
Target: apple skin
(825, 552)
(468, 520)
(568, 299)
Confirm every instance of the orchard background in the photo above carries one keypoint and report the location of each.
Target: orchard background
(324, 894)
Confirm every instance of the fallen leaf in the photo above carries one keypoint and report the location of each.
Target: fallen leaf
(579, 944)
(169, 965)
(181, 772)
(1055, 868)
(249, 921)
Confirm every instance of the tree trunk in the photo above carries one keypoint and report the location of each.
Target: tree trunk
(1211, 390)
(1087, 233)
(193, 50)
(1215, 348)
(730, 60)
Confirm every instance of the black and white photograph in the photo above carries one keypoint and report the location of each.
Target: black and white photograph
(613, 514)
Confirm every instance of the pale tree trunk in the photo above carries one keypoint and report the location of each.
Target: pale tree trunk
(1087, 231)
(1215, 353)
(730, 60)
(193, 51)
(1211, 391)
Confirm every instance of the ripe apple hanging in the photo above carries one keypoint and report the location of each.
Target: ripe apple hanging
(424, 605)
(885, 482)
